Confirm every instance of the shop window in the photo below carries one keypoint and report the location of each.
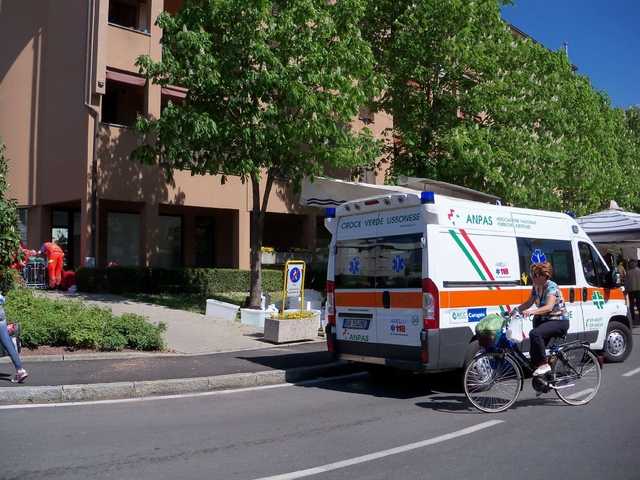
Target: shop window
(123, 238)
(132, 14)
(169, 241)
(205, 242)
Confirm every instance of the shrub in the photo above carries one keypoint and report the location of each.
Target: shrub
(117, 280)
(75, 324)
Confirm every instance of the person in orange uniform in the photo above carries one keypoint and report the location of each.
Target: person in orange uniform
(54, 255)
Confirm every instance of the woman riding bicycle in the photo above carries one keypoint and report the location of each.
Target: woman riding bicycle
(551, 318)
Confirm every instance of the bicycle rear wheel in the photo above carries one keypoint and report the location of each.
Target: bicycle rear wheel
(577, 380)
(493, 381)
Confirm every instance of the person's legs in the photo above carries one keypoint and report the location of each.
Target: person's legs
(57, 262)
(52, 274)
(539, 337)
(7, 344)
(634, 302)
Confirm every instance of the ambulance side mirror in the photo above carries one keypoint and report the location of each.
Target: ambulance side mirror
(613, 278)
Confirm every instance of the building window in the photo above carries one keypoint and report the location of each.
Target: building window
(123, 238)
(132, 14)
(122, 102)
(366, 115)
(22, 224)
(65, 231)
(169, 241)
(205, 242)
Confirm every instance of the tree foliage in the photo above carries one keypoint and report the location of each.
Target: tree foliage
(272, 88)
(474, 106)
(9, 232)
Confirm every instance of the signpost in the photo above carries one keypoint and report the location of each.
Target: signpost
(293, 282)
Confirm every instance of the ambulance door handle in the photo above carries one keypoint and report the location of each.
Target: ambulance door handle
(572, 295)
(584, 294)
(386, 299)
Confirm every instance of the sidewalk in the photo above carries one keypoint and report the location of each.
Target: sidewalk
(206, 354)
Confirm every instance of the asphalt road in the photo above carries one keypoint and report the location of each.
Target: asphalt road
(351, 427)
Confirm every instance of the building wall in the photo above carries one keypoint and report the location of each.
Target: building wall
(53, 85)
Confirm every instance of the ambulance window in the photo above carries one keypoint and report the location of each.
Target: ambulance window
(399, 261)
(593, 267)
(557, 252)
(355, 264)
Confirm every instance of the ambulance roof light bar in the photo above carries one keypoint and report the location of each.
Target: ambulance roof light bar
(427, 197)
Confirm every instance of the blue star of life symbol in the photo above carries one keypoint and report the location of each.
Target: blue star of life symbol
(354, 266)
(538, 256)
(497, 271)
(397, 264)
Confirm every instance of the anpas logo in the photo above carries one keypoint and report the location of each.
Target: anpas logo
(358, 338)
(479, 219)
(453, 216)
(476, 314)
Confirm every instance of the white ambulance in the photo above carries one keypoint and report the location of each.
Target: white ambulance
(410, 275)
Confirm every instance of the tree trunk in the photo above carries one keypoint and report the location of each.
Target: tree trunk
(257, 229)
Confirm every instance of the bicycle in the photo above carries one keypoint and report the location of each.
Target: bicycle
(494, 378)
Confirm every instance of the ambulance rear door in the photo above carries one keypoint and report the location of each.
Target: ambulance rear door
(378, 284)
(399, 270)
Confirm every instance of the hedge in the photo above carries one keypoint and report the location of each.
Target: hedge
(117, 280)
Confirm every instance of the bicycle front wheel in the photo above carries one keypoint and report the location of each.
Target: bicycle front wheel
(577, 378)
(493, 381)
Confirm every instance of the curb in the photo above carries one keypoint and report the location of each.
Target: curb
(88, 356)
(120, 390)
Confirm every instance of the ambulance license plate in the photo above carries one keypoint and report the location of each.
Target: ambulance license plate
(356, 323)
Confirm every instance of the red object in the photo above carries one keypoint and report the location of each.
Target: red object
(68, 279)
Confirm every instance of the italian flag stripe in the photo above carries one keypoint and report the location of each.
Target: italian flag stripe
(476, 264)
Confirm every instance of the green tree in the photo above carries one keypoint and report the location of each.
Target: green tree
(473, 105)
(9, 233)
(272, 88)
(434, 56)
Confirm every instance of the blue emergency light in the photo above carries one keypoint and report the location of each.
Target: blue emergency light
(427, 197)
(330, 212)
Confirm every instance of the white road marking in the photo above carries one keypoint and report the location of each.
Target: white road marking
(384, 453)
(632, 372)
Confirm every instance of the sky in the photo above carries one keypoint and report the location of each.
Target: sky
(603, 37)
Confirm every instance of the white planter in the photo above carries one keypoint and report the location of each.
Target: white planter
(268, 258)
(292, 330)
(221, 310)
(254, 317)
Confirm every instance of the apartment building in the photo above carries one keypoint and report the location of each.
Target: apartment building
(69, 93)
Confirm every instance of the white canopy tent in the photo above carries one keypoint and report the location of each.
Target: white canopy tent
(324, 192)
(613, 228)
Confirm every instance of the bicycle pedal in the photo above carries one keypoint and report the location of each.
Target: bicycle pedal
(562, 386)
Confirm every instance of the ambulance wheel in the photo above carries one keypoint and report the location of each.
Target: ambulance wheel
(472, 350)
(618, 344)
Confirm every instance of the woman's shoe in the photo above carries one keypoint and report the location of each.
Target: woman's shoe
(20, 376)
(542, 370)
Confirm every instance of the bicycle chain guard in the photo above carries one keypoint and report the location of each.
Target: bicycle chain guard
(540, 385)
